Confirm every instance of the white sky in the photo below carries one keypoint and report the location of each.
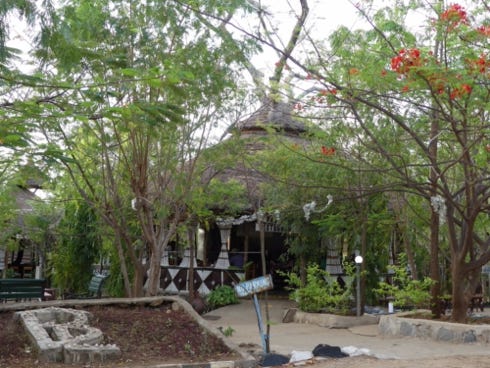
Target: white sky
(324, 17)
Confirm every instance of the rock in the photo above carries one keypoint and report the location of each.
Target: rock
(199, 304)
(288, 316)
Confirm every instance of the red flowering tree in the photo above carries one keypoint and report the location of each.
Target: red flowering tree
(417, 103)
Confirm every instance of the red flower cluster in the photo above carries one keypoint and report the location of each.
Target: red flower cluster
(454, 15)
(408, 63)
(325, 92)
(464, 89)
(484, 30)
(480, 65)
(322, 95)
(328, 151)
(406, 60)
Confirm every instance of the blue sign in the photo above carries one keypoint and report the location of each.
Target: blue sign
(254, 286)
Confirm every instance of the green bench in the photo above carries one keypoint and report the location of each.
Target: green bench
(95, 286)
(22, 289)
(94, 289)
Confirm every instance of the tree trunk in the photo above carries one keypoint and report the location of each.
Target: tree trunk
(122, 264)
(436, 306)
(158, 241)
(459, 302)
(435, 292)
(138, 280)
(155, 270)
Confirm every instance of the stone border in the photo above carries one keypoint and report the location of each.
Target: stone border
(247, 360)
(329, 320)
(457, 333)
(65, 335)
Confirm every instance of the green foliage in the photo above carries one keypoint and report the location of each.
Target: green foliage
(41, 223)
(321, 293)
(405, 291)
(115, 283)
(226, 198)
(8, 218)
(228, 331)
(221, 296)
(10, 273)
(77, 249)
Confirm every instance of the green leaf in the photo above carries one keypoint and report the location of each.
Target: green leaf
(129, 72)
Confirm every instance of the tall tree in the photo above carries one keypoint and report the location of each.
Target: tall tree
(140, 87)
(404, 101)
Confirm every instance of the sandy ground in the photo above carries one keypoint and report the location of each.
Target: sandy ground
(369, 362)
(383, 352)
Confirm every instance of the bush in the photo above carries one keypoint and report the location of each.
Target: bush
(406, 292)
(221, 296)
(321, 293)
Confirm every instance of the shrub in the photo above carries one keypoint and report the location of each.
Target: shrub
(406, 292)
(221, 296)
(321, 293)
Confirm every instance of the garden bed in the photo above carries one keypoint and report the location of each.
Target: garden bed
(151, 333)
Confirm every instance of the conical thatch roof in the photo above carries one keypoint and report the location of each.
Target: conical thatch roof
(279, 117)
(272, 114)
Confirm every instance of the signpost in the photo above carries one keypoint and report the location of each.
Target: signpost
(252, 287)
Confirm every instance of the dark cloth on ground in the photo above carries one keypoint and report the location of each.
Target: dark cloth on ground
(272, 360)
(324, 350)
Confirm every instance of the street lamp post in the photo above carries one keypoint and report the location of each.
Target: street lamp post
(358, 261)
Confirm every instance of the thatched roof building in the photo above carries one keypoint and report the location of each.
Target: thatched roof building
(233, 160)
(271, 117)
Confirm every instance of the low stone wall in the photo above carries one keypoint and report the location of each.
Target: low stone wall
(329, 320)
(402, 325)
